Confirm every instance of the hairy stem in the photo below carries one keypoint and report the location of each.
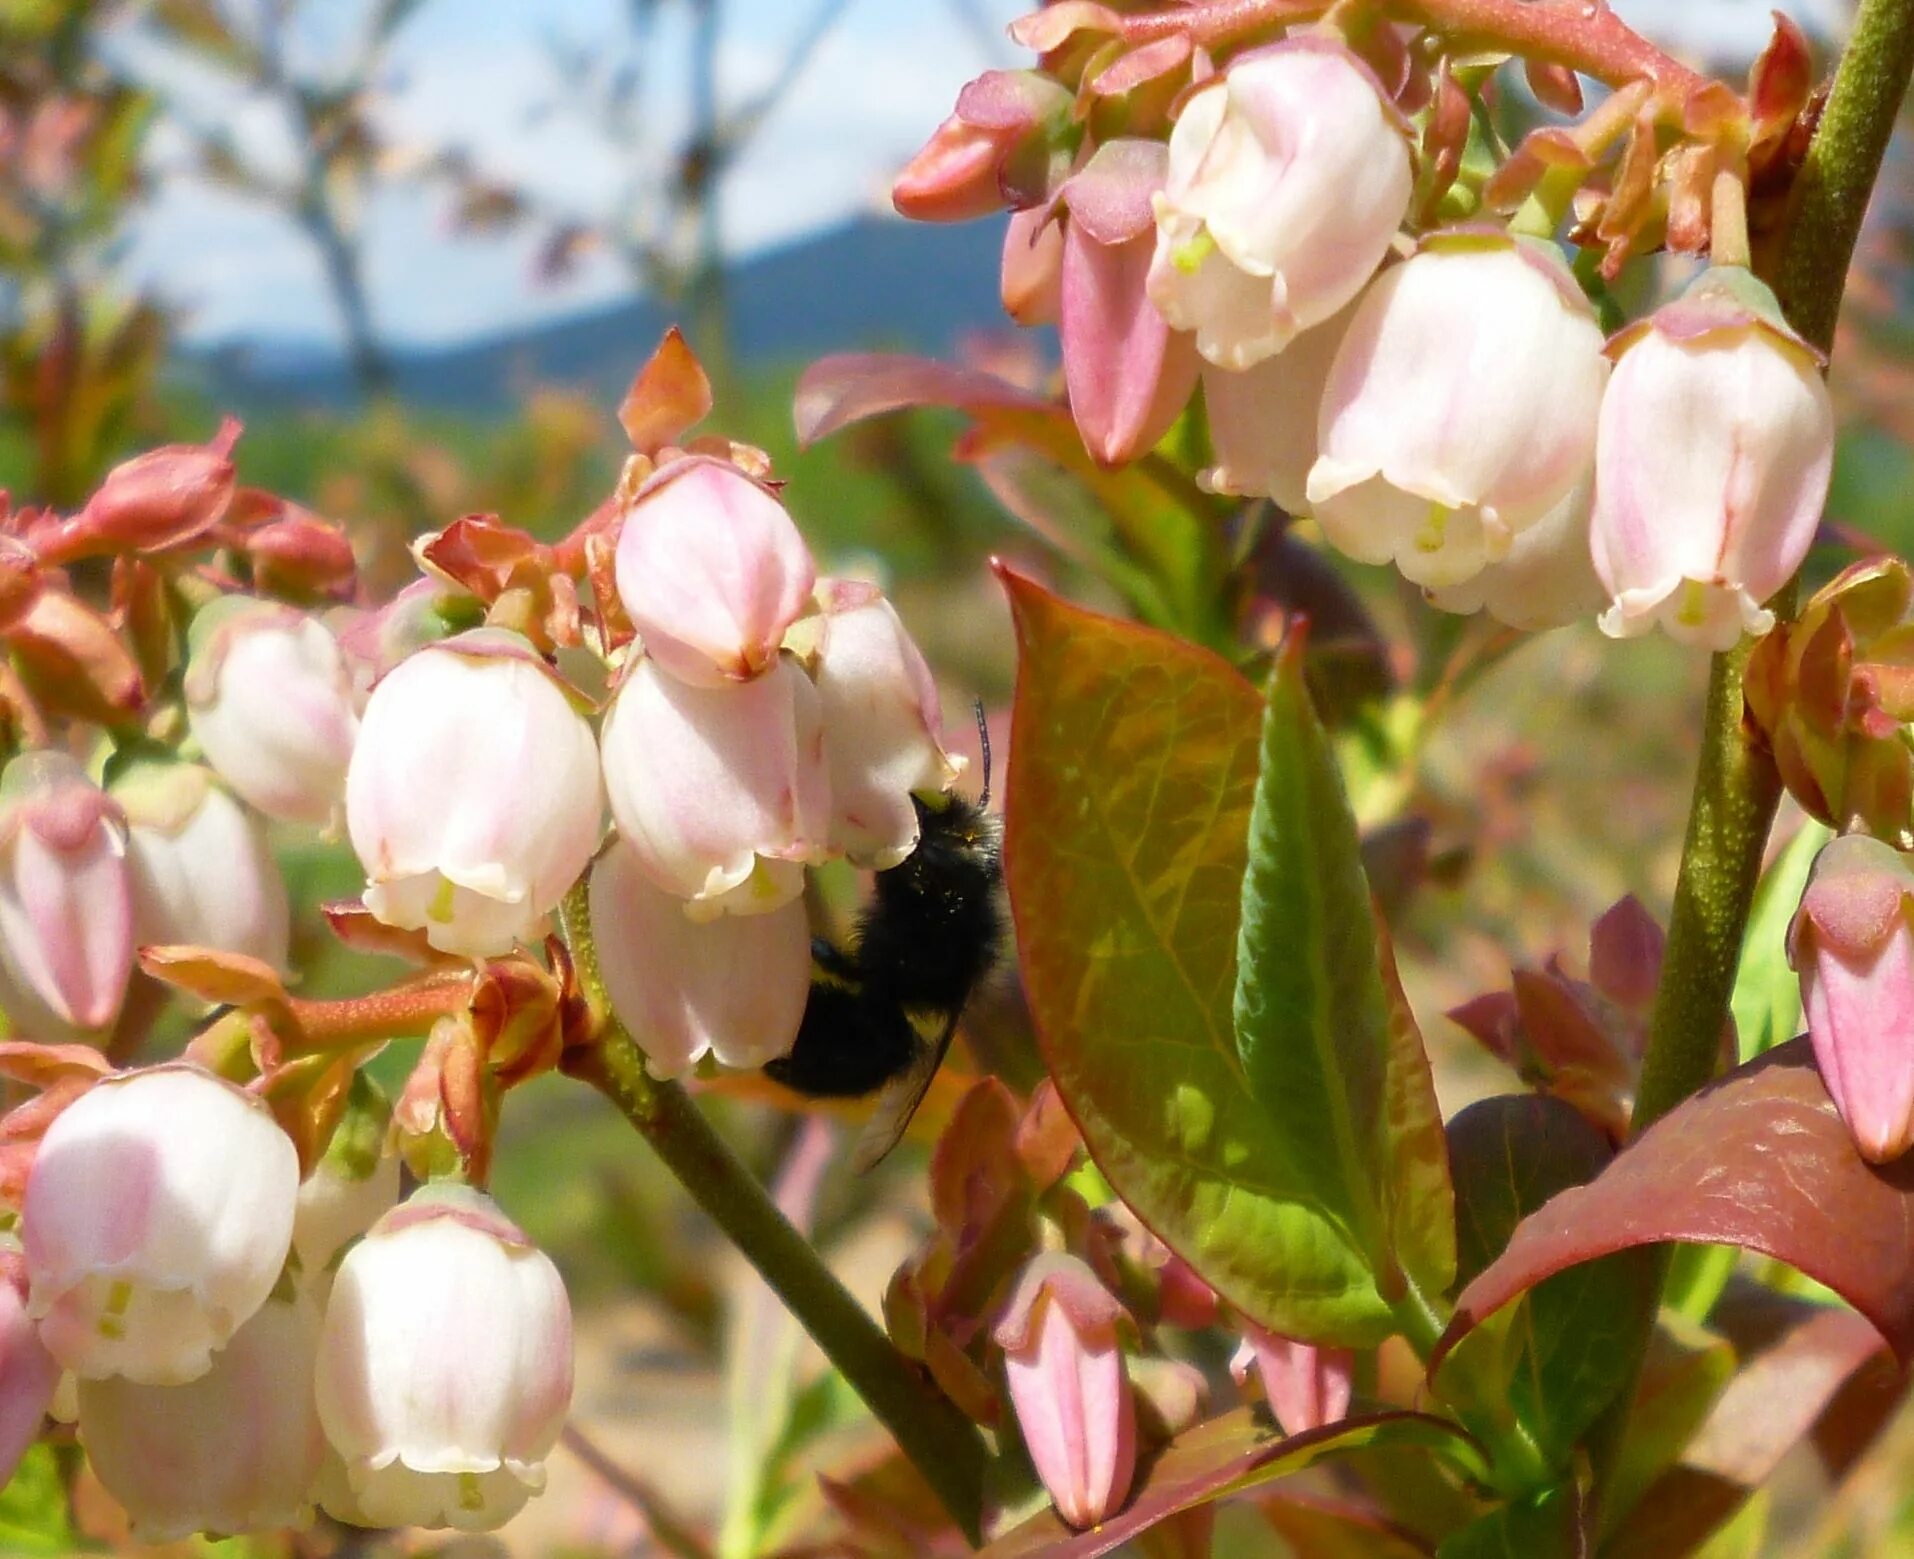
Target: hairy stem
(943, 1445)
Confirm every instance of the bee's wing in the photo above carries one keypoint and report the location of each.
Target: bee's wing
(898, 1099)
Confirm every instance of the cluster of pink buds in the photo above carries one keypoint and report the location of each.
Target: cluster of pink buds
(1294, 224)
(247, 1348)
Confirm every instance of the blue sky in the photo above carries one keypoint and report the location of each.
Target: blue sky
(470, 72)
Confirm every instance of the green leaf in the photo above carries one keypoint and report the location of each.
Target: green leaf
(1681, 1380)
(1542, 1527)
(1334, 1062)
(1767, 999)
(1132, 772)
(1563, 1351)
(33, 1507)
(1696, 1276)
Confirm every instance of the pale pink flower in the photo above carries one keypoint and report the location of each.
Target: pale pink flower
(675, 982)
(883, 725)
(1460, 408)
(1712, 466)
(236, 1450)
(1289, 176)
(1263, 419)
(202, 871)
(270, 700)
(1853, 945)
(1129, 375)
(473, 799)
(29, 1376)
(1307, 1386)
(723, 793)
(66, 907)
(1063, 1361)
(712, 571)
(445, 1364)
(157, 1217)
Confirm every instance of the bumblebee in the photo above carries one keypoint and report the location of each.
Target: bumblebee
(882, 1013)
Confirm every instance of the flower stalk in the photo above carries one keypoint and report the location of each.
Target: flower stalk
(940, 1442)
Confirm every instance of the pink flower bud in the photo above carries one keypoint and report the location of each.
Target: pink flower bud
(1069, 1387)
(473, 799)
(1307, 1386)
(1853, 945)
(445, 1364)
(722, 793)
(1263, 419)
(28, 1375)
(269, 698)
(1712, 464)
(712, 572)
(1032, 280)
(157, 1217)
(1460, 409)
(202, 872)
(674, 983)
(163, 498)
(883, 725)
(1005, 143)
(1129, 375)
(1288, 178)
(237, 1450)
(1547, 580)
(66, 909)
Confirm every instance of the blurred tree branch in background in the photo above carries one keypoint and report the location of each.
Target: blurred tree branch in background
(336, 152)
(662, 225)
(77, 354)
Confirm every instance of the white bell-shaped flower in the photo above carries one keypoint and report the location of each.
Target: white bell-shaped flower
(270, 700)
(1289, 176)
(1460, 408)
(883, 725)
(157, 1217)
(445, 1364)
(1711, 466)
(675, 982)
(723, 793)
(237, 1450)
(203, 873)
(473, 800)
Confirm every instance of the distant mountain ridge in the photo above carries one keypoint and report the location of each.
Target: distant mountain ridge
(872, 282)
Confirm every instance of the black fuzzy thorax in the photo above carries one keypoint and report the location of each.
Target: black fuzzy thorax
(932, 930)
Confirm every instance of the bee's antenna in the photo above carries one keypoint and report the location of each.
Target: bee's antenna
(983, 747)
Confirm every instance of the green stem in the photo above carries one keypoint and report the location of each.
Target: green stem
(1843, 160)
(1736, 786)
(943, 1445)
(1736, 792)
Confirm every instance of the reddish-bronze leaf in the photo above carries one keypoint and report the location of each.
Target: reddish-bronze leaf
(1759, 1159)
(836, 391)
(1228, 1455)
(1807, 1369)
